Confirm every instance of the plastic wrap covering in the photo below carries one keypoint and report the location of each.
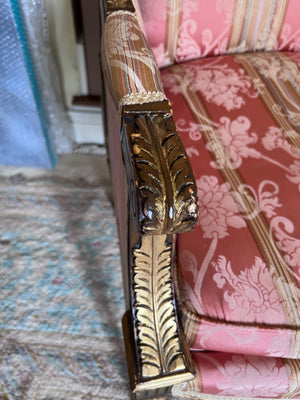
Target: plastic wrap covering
(60, 128)
(31, 120)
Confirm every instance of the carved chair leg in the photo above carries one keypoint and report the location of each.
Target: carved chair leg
(156, 351)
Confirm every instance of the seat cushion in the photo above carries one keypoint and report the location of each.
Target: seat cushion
(242, 376)
(239, 270)
(184, 30)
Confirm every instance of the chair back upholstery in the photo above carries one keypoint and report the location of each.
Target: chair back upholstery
(182, 30)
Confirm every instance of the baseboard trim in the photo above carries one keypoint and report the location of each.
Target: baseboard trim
(87, 124)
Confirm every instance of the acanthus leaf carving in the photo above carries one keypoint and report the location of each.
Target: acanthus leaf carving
(116, 5)
(155, 321)
(165, 186)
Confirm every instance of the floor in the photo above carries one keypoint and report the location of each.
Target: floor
(92, 167)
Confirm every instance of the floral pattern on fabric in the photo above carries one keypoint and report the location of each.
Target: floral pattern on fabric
(227, 281)
(237, 138)
(283, 228)
(253, 382)
(218, 84)
(217, 208)
(185, 30)
(252, 293)
(243, 375)
(274, 139)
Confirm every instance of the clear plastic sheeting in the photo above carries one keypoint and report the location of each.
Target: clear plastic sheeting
(33, 124)
(59, 125)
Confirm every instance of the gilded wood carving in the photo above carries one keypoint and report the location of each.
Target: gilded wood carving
(161, 356)
(116, 5)
(162, 201)
(164, 196)
(154, 309)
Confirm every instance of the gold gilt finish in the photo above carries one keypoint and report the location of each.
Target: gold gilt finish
(160, 178)
(161, 356)
(162, 201)
(155, 317)
(116, 5)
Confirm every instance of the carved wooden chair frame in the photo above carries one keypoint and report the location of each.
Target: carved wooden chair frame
(162, 202)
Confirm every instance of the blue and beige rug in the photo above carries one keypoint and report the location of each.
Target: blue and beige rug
(61, 299)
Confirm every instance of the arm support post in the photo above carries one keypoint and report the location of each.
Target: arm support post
(163, 193)
(162, 201)
(155, 345)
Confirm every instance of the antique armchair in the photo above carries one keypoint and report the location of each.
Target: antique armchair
(203, 137)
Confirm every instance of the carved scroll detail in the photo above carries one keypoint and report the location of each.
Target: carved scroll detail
(118, 5)
(165, 186)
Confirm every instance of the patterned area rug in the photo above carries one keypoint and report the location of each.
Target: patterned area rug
(61, 299)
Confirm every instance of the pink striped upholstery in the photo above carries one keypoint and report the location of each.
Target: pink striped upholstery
(239, 119)
(242, 376)
(188, 29)
(238, 115)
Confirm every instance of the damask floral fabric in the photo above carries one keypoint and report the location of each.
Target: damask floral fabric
(238, 117)
(239, 270)
(243, 376)
(188, 29)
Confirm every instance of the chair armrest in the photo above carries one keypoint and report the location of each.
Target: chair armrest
(163, 194)
(162, 200)
(129, 67)
(162, 188)
(111, 6)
